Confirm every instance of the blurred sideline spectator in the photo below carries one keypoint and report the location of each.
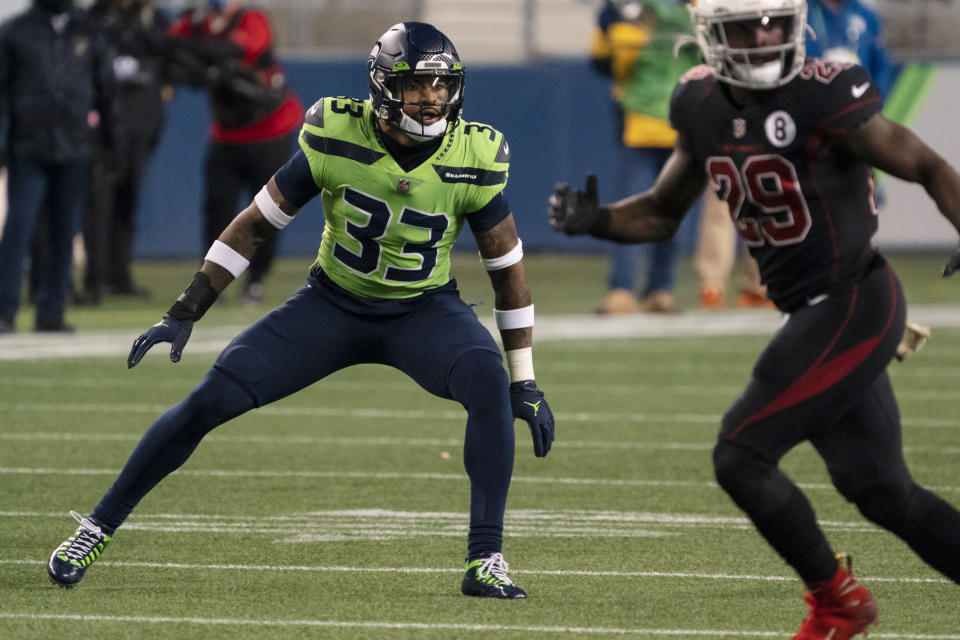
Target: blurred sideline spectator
(55, 85)
(634, 43)
(228, 50)
(850, 31)
(717, 249)
(135, 31)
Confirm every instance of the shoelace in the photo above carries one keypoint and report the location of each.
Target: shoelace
(495, 565)
(87, 536)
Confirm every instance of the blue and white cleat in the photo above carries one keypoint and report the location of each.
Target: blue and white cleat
(487, 578)
(70, 560)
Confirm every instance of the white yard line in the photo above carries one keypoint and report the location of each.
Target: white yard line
(679, 575)
(365, 524)
(411, 414)
(931, 394)
(212, 339)
(451, 443)
(366, 475)
(440, 626)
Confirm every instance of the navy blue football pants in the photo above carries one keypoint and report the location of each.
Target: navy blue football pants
(823, 378)
(437, 341)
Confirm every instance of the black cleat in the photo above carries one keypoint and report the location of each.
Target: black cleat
(487, 578)
(70, 560)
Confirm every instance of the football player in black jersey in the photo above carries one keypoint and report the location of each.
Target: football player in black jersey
(789, 143)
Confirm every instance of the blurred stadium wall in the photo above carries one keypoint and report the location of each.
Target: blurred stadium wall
(528, 75)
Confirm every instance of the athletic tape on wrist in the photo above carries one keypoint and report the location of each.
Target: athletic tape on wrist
(194, 302)
(227, 257)
(520, 364)
(510, 257)
(514, 318)
(270, 209)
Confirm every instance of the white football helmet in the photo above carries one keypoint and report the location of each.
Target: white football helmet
(777, 64)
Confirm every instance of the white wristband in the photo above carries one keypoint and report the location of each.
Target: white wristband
(514, 318)
(227, 257)
(513, 256)
(270, 209)
(520, 364)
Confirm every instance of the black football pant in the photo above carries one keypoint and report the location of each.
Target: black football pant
(823, 378)
(234, 169)
(109, 221)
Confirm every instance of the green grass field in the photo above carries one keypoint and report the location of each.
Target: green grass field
(341, 512)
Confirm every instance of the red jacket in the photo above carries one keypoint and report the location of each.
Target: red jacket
(237, 117)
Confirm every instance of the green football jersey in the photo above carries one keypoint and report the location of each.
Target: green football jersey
(388, 232)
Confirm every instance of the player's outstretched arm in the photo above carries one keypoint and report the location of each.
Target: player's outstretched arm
(650, 216)
(890, 147)
(226, 260)
(501, 253)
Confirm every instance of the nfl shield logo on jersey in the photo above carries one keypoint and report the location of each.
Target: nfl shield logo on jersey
(403, 186)
(739, 127)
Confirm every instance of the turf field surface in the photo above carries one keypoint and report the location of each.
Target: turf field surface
(340, 512)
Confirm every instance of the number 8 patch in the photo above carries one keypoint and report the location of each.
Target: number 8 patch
(780, 128)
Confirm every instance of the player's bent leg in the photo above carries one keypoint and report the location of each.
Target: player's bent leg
(164, 448)
(864, 454)
(926, 522)
(478, 381)
(839, 607)
(780, 512)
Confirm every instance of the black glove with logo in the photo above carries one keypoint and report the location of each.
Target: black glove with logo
(175, 327)
(529, 405)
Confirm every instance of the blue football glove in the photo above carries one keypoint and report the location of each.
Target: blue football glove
(529, 405)
(953, 263)
(176, 332)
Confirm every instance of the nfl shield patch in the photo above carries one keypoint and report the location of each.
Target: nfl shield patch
(739, 127)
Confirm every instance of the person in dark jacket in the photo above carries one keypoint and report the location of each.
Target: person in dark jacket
(134, 30)
(228, 50)
(54, 96)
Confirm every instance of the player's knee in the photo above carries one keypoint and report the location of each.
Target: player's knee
(478, 377)
(215, 400)
(738, 468)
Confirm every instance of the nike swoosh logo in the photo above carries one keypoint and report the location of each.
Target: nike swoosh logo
(859, 89)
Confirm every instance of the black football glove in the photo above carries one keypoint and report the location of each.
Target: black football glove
(572, 211)
(953, 263)
(529, 405)
(176, 325)
(171, 330)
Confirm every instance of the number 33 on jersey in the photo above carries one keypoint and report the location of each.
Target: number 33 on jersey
(388, 232)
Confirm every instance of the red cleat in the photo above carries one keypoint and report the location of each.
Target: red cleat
(711, 299)
(839, 610)
(754, 300)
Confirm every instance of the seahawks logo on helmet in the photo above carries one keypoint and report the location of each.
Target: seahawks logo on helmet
(415, 50)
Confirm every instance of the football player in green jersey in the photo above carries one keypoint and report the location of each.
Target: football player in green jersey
(399, 174)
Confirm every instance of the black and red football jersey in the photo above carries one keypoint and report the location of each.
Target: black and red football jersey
(807, 211)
